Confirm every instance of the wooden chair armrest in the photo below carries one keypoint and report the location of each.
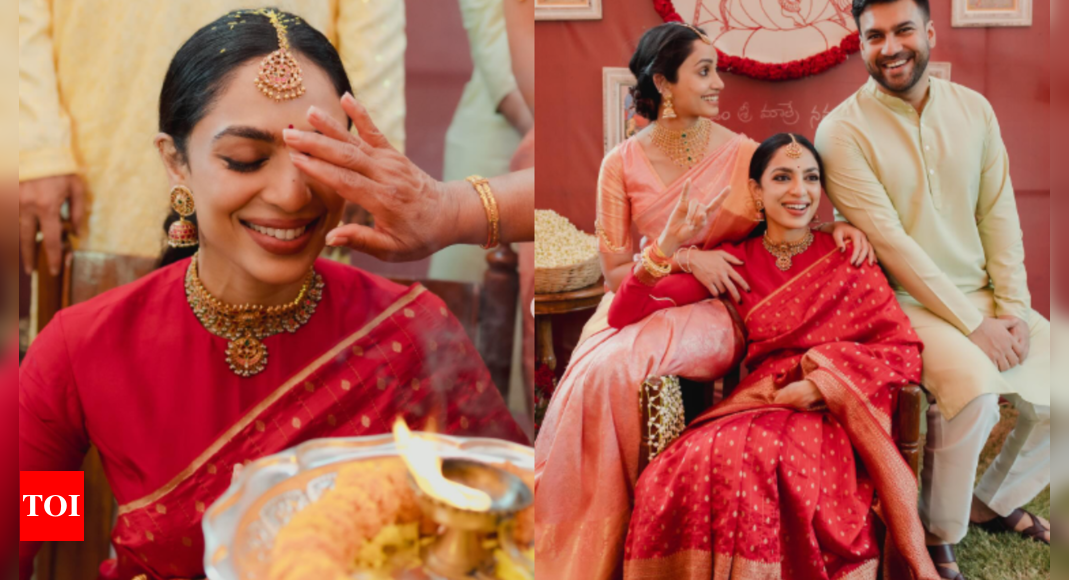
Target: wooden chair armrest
(908, 420)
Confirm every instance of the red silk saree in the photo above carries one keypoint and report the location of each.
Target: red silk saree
(756, 491)
(135, 374)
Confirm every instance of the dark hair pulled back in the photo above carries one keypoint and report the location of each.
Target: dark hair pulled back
(201, 69)
(662, 49)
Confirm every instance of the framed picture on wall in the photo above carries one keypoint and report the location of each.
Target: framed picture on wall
(620, 120)
(939, 70)
(567, 9)
(992, 13)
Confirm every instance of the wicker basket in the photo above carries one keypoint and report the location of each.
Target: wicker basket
(567, 278)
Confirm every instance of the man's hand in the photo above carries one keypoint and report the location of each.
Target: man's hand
(1021, 333)
(40, 204)
(994, 338)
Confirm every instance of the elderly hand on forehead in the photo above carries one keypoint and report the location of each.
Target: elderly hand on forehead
(415, 214)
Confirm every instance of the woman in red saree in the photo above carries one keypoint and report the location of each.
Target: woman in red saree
(792, 475)
(174, 386)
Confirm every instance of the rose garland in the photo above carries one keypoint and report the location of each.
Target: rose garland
(785, 71)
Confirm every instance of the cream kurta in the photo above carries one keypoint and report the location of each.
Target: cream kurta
(480, 141)
(933, 193)
(89, 81)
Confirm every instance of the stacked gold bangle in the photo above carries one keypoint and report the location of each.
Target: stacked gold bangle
(482, 187)
(658, 268)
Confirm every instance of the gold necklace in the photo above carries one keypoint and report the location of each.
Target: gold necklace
(685, 148)
(786, 251)
(246, 326)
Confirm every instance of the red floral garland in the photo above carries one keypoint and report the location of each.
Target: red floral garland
(785, 71)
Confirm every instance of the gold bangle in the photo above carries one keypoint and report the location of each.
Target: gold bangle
(659, 251)
(658, 256)
(656, 270)
(645, 278)
(684, 265)
(486, 195)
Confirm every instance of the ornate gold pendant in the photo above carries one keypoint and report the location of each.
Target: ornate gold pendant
(246, 356)
(784, 263)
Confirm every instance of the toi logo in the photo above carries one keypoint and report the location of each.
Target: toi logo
(52, 506)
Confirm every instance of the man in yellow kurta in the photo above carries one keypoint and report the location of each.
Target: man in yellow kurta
(920, 166)
(89, 80)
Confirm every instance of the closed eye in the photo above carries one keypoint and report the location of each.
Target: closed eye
(244, 166)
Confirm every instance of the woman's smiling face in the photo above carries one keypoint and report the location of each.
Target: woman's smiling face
(790, 189)
(255, 209)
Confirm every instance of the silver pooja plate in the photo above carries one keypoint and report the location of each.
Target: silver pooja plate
(240, 527)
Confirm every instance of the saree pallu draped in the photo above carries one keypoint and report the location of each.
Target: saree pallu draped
(587, 455)
(756, 491)
(372, 352)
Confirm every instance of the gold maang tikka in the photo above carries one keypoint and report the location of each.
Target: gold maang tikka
(794, 150)
(280, 74)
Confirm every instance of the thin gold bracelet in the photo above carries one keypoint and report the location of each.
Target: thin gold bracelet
(486, 195)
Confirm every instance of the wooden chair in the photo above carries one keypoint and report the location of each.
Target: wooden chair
(487, 311)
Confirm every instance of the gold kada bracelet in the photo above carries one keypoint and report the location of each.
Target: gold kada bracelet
(486, 195)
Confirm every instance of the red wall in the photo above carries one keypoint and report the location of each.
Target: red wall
(1011, 66)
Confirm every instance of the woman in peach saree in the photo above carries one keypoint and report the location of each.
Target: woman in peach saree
(587, 453)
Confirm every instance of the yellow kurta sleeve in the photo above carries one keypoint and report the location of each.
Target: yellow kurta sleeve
(485, 22)
(614, 208)
(44, 127)
(860, 197)
(1000, 227)
(372, 42)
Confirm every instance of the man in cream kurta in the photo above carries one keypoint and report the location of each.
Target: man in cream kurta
(89, 82)
(931, 188)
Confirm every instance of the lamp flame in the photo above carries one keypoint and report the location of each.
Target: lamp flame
(426, 468)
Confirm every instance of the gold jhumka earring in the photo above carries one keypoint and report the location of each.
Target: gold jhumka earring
(669, 111)
(182, 233)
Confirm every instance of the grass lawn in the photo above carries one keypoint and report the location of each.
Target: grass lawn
(983, 556)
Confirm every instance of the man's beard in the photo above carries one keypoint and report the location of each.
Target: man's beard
(920, 64)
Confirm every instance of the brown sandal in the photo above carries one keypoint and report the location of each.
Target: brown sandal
(944, 554)
(1008, 524)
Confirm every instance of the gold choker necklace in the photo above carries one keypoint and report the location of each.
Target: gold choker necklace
(786, 251)
(687, 147)
(246, 326)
